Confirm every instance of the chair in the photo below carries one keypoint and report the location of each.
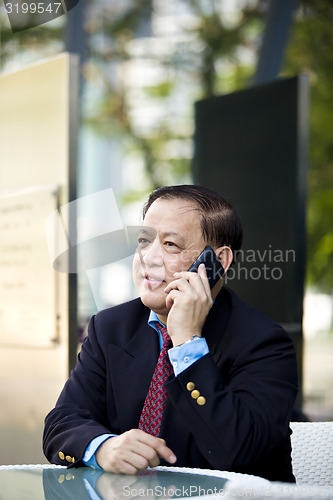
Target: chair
(312, 452)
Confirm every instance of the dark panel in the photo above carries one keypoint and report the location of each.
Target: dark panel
(252, 147)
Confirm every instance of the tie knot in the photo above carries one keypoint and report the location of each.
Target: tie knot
(165, 336)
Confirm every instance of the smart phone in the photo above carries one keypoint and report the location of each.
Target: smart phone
(213, 266)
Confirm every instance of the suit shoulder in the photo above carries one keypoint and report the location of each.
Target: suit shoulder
(132, 309)
(119, 323)
(253, 321)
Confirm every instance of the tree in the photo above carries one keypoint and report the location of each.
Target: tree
(201, 55)
(202, 46)
(311, 51)
(29, 45)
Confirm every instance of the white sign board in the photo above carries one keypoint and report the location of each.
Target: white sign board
(28, 289)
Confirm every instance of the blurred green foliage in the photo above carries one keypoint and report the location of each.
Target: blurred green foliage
(202, 59)
(310, 51)
(211, 54)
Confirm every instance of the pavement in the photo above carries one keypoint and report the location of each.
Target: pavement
(318, 377)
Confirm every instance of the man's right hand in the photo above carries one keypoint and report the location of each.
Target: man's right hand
(132, 452)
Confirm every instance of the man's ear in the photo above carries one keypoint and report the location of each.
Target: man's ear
(225, 256)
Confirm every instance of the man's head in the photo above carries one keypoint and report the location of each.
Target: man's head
(220, 224)
(178, 223)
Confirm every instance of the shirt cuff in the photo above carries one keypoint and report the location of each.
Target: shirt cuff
(185, 355)
(89, 455)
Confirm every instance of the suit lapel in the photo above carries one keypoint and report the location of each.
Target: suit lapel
(175, 431)
(131, 369)
(215, 329)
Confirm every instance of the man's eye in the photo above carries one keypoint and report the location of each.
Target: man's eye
(143, 241)
(170, 244)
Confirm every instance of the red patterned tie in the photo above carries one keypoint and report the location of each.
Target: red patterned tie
(152, 412)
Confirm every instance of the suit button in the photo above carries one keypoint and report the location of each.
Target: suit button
(190, 386)
(69, 459)
(61, 455)
(195, 394)
(201, 400)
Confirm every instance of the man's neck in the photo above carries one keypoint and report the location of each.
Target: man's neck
(162, 318)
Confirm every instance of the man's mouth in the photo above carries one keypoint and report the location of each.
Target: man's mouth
(153, 280)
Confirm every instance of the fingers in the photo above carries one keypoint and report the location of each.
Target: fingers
(192, 284)
(165, 453)
(189, 299)
(156, 444)
(177, 286)
(132, 452)
(185, 279)
(113, 457)
(203, 274)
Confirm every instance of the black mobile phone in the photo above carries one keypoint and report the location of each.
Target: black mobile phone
(213, 266)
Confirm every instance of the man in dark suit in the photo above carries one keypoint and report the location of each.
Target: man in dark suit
(233, 376)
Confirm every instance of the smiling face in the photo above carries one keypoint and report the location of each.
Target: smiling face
(170, 241)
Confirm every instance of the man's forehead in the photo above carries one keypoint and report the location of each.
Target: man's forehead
(175, 204)
(170, 211)
(173, 217)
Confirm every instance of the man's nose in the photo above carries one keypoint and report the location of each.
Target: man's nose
(152, 256)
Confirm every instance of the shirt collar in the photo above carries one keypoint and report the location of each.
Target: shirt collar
(152, 320)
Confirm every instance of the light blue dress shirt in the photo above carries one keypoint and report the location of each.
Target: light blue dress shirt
(181, 357)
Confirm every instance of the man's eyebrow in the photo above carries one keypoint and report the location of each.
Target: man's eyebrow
(146, 230)
(174, 234)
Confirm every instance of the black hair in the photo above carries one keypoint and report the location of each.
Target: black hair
(220, 224)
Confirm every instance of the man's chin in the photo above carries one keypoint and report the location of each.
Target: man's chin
(156, 304)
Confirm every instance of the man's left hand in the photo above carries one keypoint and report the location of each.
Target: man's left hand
(189, 299)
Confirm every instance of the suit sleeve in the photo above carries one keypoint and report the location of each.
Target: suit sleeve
(80, 412)
(238, 413)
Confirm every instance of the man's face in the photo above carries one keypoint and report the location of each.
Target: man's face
(170, 241)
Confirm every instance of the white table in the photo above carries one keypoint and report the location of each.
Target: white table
(50, 482)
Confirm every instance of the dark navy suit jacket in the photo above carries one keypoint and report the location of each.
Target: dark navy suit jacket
(248, 380)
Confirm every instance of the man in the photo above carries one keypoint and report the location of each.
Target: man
(233, 379)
